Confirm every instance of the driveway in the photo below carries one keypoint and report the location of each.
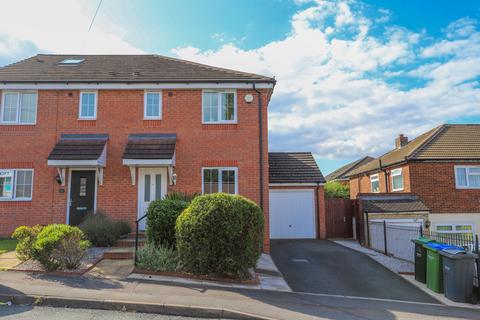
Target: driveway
(322, 266)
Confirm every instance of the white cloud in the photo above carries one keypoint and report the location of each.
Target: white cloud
(336, 93)
(59, 26)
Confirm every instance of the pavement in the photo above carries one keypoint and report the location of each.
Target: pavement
(204, 301)
(324, 267)
(47, 313)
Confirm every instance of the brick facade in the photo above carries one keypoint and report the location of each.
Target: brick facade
(120, 113)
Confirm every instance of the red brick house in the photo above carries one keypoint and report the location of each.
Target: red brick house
(81, 133)
(438, 173)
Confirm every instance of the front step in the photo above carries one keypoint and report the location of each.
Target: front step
(130, 243)
(119, 253)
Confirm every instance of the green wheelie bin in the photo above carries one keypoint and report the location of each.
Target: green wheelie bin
(435, 266)
(421, 258)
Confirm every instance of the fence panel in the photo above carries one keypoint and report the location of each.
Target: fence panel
(375, 230)
(399, 242)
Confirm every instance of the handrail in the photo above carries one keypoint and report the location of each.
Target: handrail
(136, 238)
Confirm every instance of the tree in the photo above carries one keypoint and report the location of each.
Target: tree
(335, 189)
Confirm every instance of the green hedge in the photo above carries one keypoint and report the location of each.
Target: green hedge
(102, 231)
(162, 216)
(26, 237)
(220, 234)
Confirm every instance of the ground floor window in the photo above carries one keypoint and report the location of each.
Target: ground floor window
(219, 180)
(464, 229)
(16, 184)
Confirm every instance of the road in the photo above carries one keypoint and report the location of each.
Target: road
(322, 266)
(46, 313)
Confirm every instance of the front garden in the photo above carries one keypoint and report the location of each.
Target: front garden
(216, 235)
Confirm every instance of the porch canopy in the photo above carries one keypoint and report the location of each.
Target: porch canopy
(150, 150)
(79, 151)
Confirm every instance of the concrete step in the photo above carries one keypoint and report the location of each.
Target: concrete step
(119, 253)
(130, 243)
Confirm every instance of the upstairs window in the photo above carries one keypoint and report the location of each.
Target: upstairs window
(19, 108)
(152, 105)
(467, 177)
(397, 180)
(375, 183)
(219, 107)
(16, 184)
(88, 105)
(220, 180)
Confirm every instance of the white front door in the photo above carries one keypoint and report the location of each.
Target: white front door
(152, 185)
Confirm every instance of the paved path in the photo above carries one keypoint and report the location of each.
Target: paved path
(46, 313)
(322, 266)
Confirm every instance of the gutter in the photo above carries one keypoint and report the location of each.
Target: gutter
(260, 141)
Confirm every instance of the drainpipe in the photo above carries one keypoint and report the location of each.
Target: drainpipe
(386, 177)
(260, 141)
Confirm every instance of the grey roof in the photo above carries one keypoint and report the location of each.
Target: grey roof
(342, 172)
(389, 203)
(150, 146)
(293, 167)
(120, 68)
(79, 147)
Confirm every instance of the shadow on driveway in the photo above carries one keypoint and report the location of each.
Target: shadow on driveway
(322, 266)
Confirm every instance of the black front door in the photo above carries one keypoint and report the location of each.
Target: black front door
(82, 195)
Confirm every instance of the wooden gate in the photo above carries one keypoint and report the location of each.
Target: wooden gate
(339, 217)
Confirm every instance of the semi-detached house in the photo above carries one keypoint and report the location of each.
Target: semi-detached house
(81, 133)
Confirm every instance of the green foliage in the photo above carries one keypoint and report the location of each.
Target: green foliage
(51, 242)
(183, 196)
(100, 230)
(157, 258)
(162, 216)
(7, 245)
(335, 189)
(220, 234)
(123, 227)
(26, 237)
(69, 253)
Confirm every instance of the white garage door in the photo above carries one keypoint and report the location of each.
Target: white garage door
(292, 214)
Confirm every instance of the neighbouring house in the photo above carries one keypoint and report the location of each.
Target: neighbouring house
(82, 133)
(434, 178)
(297, 201)
(341, 174)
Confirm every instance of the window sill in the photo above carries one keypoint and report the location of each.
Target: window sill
(220, 122)
(152, 119)
(16, 124)
(397, 190)
(87, 119)
(16, 200)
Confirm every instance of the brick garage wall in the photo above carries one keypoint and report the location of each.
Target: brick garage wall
(361, 184)
(120, 113)
(320, 210)
(435, 184)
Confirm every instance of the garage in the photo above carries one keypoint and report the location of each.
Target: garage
(296, 201)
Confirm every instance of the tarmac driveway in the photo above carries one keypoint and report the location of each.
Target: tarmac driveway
(322, 266)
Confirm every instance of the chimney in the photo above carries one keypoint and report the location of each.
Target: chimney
(400, 141)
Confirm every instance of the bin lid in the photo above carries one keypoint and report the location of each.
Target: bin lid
(422, 240)
(457, 254)
(435, 246)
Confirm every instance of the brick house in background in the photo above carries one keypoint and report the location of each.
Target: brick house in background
(81, 133)
(435, 176)
(342, 173)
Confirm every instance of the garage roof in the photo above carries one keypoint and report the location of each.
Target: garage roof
(392, 204)
(293, 167)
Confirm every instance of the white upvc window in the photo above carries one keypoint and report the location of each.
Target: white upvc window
(374, 183)
(88, 105)
(397, 180)
(152, 106)
(219, 106)
(219, 180)
(467, 177)
(19, 107)
(465, 229)
(16, 184)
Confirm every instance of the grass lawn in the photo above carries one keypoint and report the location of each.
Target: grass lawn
(7, 245)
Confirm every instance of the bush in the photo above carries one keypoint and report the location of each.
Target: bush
(123, 227)
(162, 216)
(26, 237)
(161, 258)
(335, 189)
(183, 196)
(220, 234)
(53, 243)
(100, 230)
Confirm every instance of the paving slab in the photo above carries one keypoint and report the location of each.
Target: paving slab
(8, 260)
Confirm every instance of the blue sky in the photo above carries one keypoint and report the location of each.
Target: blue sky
(351, 74)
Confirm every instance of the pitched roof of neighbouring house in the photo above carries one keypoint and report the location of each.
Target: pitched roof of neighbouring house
(293, 167)
(342, 173)
(79, 147)
(150, 146)
(392, 203)
(445, 142)
(119, 68)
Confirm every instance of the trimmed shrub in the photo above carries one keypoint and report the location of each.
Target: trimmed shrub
(123, 227)
(100, 230)
(162, 216)
(335, 189)
(70, 251)
(161, 258)
(220, 234)
(177, 195)
(54, 241)
(26, 237)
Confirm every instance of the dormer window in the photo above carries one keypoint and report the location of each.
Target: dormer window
(70, 62)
